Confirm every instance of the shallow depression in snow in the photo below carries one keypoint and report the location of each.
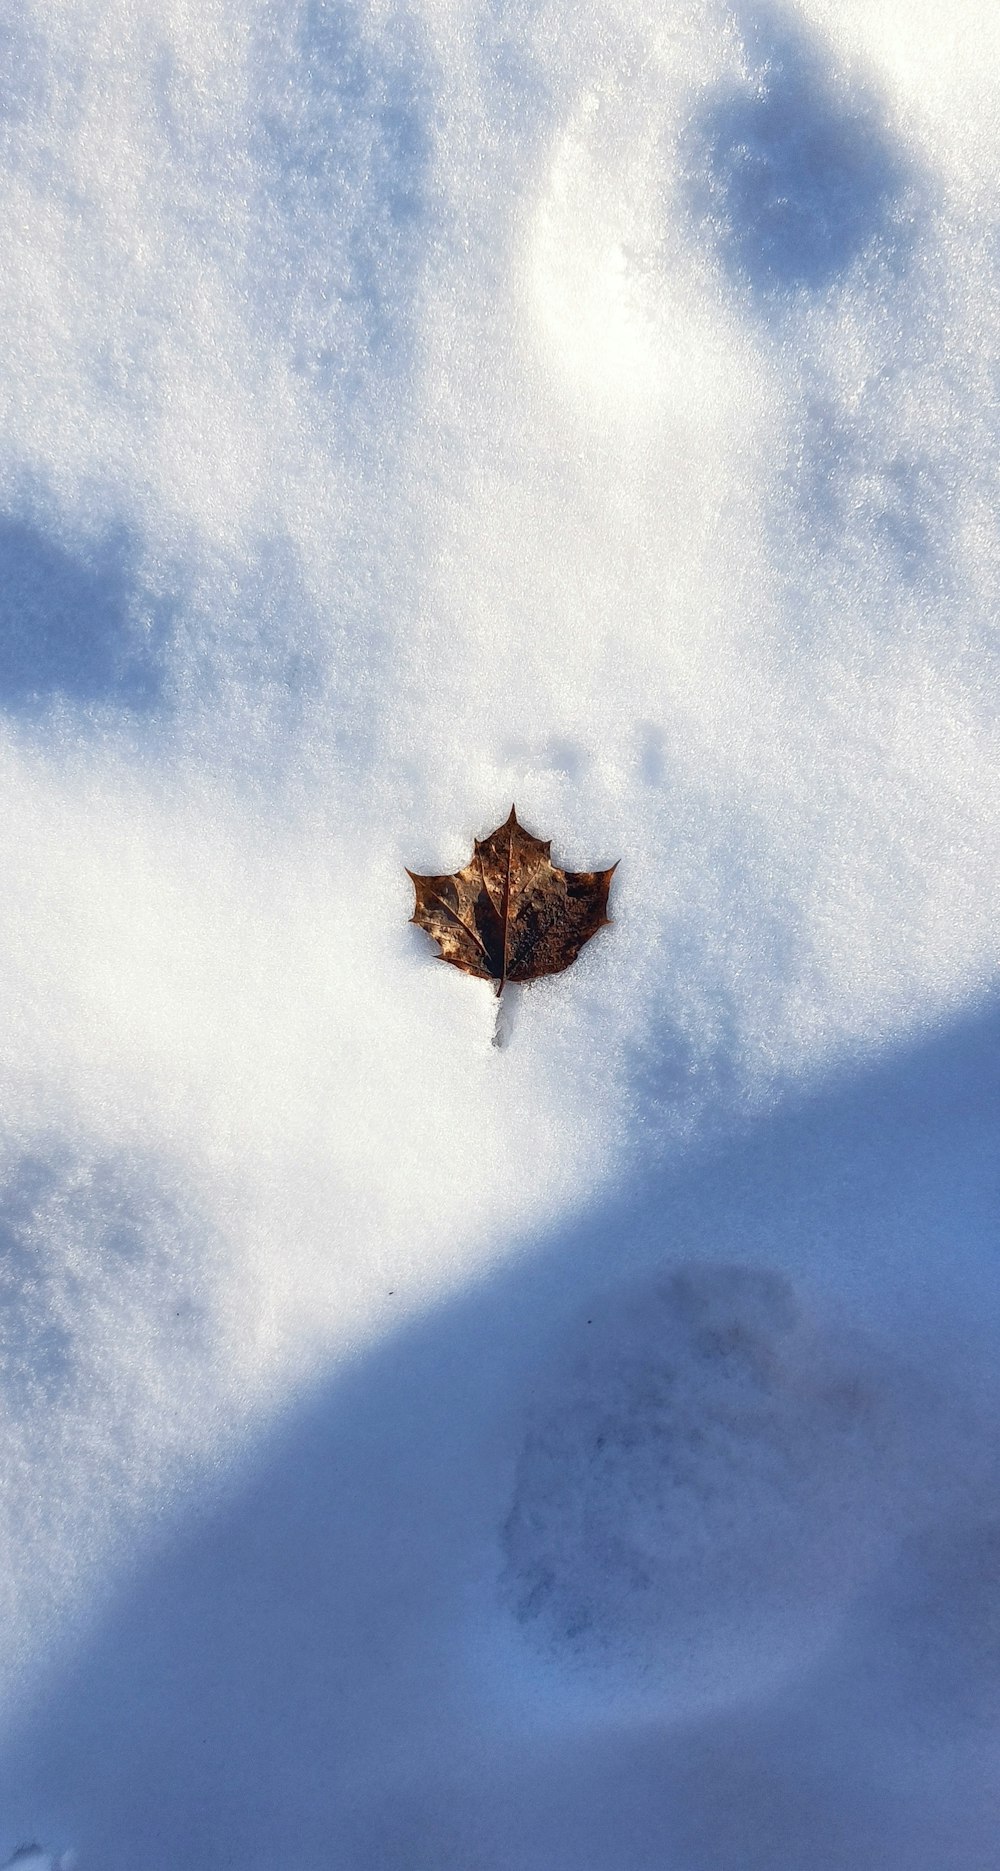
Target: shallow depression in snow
(702, 1487)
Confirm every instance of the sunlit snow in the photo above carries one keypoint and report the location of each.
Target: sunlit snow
(580, 1454)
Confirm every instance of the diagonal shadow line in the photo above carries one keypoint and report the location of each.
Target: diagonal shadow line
(275, 1682)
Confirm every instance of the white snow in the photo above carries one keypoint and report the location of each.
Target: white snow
(579, 1454)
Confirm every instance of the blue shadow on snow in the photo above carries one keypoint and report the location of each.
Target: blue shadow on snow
(793, 172)
(67, 624)
(343, 144)
(262, 1692)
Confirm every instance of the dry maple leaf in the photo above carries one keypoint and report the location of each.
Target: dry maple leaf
(511, 914)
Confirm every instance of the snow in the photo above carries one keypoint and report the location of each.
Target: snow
(578, 1454)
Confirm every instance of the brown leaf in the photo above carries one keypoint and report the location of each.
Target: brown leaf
(511, 914)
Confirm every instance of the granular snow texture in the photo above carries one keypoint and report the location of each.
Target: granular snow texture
(578, 1454)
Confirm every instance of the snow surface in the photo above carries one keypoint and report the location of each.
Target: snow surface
(582, 1455)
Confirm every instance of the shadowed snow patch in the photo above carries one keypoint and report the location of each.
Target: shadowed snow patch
(699, 1488)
